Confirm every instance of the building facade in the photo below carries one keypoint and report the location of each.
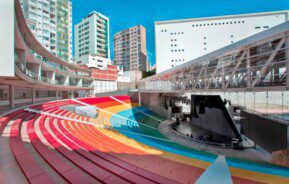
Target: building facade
(179, 41)
(105, 78)
(51, 24)
(130, 49)
(94, 61)
(92, 36)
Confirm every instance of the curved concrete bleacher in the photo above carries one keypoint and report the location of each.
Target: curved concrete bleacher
(121, 145)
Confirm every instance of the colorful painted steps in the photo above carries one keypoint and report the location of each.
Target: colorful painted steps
(131, 151)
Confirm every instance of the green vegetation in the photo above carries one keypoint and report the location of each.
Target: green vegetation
(148, 73)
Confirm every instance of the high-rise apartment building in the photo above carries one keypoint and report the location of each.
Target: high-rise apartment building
(51, 23)
(91, 37)
(179, 41)
(130, 49)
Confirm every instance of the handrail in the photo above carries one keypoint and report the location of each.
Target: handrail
(35, 76)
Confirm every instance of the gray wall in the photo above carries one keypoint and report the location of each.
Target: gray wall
(269, 134)
(214, 121)
(155, 102)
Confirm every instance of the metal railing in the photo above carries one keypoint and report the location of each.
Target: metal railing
(246, 67)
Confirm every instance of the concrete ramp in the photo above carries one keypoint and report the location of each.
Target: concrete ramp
(218, 172)
(89, 111)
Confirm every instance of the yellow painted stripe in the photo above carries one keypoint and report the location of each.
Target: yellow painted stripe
(246, 174)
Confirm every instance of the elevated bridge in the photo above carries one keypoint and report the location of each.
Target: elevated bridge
(252, 73)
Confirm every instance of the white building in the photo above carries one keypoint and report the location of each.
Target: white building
(179, 41)
(129, 76)
(51, 24)
(94, 61)
(92, 37)
(104, 86)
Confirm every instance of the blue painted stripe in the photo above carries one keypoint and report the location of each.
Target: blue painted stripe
(119, 124)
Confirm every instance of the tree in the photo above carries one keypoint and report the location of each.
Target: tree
(148, 73)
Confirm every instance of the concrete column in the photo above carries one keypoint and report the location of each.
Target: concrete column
(56, 94)
(80, 82)
(169, 113)
(22, 56)
(287, 136)
(223, 76)
(67, 80)
(72, 94)
(139, 98)
(248, 68)
(11, 96)
(287, 58)
(33, 95)
(40, 73)
(53, 77)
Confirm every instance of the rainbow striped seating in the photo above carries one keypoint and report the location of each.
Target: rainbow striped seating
(121, 145)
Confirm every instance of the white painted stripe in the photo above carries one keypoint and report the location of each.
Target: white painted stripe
(108, 112)
(57, 127)
(6, 132)
(96, 125)
(24, 134)
(40, 135)
(46, 124)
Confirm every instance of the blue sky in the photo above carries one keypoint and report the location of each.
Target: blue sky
(127, 13)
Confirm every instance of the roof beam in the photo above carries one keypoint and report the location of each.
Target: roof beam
(268, 62)
(235, 68)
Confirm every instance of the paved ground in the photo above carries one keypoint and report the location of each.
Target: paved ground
(253, 154)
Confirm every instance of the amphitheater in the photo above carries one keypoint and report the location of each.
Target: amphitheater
(42, 141)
